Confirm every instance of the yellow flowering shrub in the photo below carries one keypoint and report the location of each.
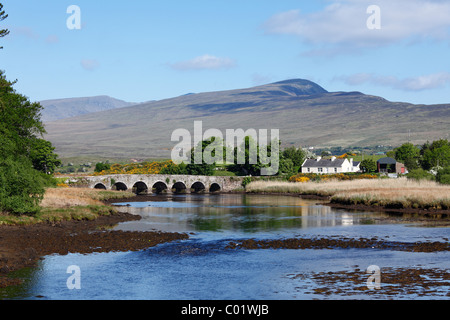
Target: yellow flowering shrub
(154, 167)
(304, 177)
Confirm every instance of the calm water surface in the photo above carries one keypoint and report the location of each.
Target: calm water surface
(202, 268)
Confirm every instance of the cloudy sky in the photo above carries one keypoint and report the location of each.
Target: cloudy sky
(142, 50)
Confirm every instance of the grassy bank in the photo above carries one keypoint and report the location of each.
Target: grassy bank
(391, 193)
(63, 204)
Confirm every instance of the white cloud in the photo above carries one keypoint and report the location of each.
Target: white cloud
(419, 83)
(204, 62)
(344, 23)
(90, 64)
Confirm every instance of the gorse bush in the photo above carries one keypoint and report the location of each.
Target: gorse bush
(156, 167)
(304, 177)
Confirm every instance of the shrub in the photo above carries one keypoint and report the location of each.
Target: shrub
(21, 187)
(443, 175)
(420, 174)
(246, 181)
(99, 167)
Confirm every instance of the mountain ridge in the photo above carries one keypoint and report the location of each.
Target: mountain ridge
(305, 113)
(57, 109)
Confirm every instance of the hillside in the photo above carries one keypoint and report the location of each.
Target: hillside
(71, 107)
(305, 113)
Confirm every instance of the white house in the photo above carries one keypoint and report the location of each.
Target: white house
(329, 166)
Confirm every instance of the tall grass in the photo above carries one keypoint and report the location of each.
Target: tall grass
(395, 193)
(68, 197)
(62, 204)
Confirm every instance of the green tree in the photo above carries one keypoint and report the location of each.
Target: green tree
(3, 16)
(247, 158)
(100, 166)
(21, 185)
(205, 168)
(435, 154)
(368, 165)
(297, 155)
(286, 166)
(42, 156)
(409, 155)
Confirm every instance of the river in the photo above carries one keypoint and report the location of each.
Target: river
(205, 268)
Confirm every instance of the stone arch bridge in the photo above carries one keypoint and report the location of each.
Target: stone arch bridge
(142, 184)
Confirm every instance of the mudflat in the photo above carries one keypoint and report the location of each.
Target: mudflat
(23, 246)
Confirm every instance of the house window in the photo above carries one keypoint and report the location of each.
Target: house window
(309, 169)
(320, 169)
(335, 170)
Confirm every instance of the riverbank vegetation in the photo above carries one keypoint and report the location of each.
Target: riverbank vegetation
(64, 204)
(27, 161)
(391, 193)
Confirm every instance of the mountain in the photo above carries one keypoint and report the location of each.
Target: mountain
(66, 108)
(305, 113)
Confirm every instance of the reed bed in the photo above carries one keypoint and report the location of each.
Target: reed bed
(394, 193)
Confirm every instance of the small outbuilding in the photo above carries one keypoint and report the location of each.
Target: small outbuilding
(390, 165)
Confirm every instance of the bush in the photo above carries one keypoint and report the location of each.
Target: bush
(336, 176)
(21, 187)
(99, 167)
(246, 181)
(443, 175)
(420, 174)
(445, 179)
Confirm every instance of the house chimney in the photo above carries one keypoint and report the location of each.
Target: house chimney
(333, 158)
(351, 162)
(319, 158)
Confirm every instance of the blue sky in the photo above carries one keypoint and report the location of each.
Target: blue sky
(144, 50)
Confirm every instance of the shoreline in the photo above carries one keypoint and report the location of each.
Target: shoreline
(24, 246)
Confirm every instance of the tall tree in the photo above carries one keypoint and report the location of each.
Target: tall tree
(297, 155)
(3, 16)
(435, 154)
(408, 154)
(22, 152)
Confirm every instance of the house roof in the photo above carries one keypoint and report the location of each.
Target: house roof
(323, 163)
(387, 160)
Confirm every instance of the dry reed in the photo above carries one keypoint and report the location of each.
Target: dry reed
(402, 193)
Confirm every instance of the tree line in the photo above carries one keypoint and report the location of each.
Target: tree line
(289, 160)
(428, 161)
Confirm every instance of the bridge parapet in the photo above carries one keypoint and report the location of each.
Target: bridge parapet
(163, 183)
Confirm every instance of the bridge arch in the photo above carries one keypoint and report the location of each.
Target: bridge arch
(198, 187)
(140, 187)
(215, 187)
(159, 187)
(179, 187)
(119, 186)
(100, 186)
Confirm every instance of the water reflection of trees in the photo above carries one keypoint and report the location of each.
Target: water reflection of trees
(243, 213)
